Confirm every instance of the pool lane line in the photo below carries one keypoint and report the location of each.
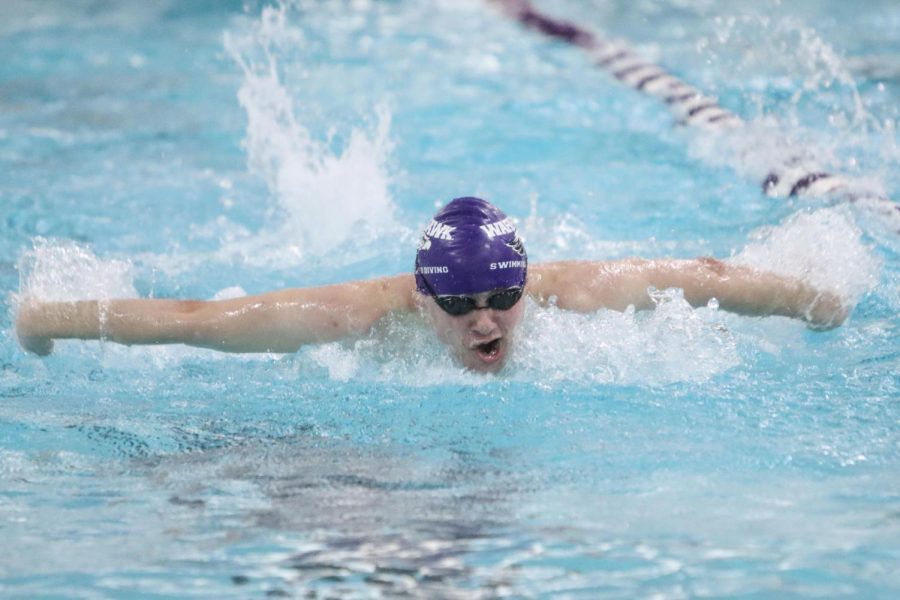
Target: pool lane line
(789, 178)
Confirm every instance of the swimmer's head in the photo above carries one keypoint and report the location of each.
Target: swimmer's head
(470, 246)
(472, 263)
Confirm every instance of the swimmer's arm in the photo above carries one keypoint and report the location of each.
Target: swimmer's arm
(280, 321)
(590, 285)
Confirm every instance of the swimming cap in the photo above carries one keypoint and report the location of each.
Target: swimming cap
(470, 247)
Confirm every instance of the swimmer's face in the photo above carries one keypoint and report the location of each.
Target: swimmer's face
(481, 338)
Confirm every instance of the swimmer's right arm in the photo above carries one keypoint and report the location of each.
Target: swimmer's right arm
(280, 321)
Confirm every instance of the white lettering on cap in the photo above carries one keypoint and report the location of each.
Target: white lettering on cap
(508, 264)
(432, 270)
(440, 231)
(499, 228)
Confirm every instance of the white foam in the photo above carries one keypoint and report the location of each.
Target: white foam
(325, 196)
(402, 350)
(229, 293)
(673, 343)
(824, 247)
(58, 270)
(342, 363)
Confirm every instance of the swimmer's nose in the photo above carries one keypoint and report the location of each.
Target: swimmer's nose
(483, 322)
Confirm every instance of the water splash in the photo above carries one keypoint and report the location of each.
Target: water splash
(325, 196)
(670, 344)
(566, 236)
(824, 247)
(789, 56)
(402, 349)
(58, 270)
(674, 343)
(801, 102)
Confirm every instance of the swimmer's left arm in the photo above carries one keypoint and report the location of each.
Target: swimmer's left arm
(285, 320)
(590, 285)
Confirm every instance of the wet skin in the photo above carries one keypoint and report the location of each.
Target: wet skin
(481, 339)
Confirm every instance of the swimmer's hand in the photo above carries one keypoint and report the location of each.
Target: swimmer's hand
(28, 329)
(827, 311)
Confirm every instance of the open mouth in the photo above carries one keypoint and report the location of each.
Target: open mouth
(488, 350)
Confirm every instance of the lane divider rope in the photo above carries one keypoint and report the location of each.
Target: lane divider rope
(794, 176)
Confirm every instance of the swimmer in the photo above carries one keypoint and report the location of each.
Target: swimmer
(471, 272)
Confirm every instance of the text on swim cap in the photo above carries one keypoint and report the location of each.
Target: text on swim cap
(439, 230)
(432, 270)
(499, 228)
(508, 264)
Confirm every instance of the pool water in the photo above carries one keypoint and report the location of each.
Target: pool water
(212, 149)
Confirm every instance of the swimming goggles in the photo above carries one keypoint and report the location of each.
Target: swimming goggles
(462, 305)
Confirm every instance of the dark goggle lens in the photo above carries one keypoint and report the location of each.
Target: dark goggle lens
(455, 305)
(460, 305)
(505, 300)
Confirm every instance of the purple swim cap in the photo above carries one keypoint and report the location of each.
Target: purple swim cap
(470, 247)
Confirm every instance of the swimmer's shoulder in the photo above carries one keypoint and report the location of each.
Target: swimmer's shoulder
(546, 278)
(581, 285)
(558, 282)
(377, 296)
(397, 292)
(393, 293)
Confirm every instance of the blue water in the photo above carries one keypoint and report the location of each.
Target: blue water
(199, 149)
